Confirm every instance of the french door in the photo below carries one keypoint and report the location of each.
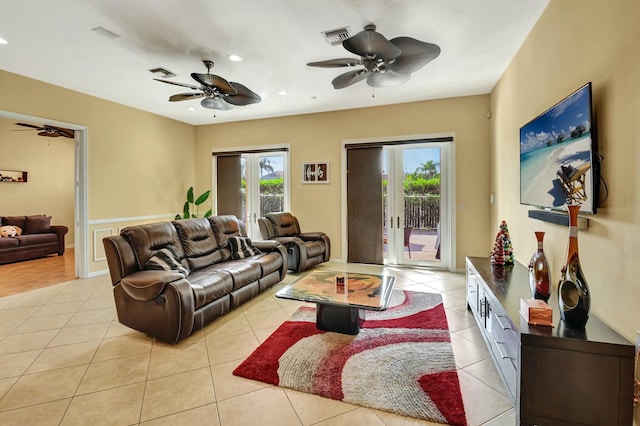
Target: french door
(250, 184)
(264, 182)
(416, 192)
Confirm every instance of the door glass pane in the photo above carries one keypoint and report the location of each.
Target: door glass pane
(385, 205)
(263, 186)
(271, 184)
(243, 189)
(422, 189)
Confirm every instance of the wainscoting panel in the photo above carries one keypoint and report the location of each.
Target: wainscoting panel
(98, 248)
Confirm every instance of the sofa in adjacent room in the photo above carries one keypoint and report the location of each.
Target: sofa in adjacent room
(38, 238)
(170, 279)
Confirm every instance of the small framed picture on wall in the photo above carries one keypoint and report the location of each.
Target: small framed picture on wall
(315, 172)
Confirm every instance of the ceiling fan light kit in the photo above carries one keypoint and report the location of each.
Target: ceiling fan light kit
(385, 62)
(218, 93)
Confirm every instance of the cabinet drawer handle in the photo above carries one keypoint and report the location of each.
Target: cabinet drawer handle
(501, 324)
(502, 355)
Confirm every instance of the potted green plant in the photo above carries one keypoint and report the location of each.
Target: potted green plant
(194, 203)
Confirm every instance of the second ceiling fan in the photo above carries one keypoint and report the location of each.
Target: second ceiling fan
(50, 131)
(384, 62)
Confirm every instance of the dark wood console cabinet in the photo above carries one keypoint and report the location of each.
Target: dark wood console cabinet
(555, 375)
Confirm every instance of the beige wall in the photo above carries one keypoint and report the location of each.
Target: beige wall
(139, 164)
(574, 42)
(50, 165)
(318, 137)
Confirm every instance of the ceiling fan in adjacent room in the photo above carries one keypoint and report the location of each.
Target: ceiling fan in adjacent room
(50, 131)
(217, 92)
(384, 62)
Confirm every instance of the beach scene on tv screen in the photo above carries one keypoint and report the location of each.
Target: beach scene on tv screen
(555, 156)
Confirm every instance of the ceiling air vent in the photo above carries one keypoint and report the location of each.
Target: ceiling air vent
(337, 36)
(161, 72)
(105, 33)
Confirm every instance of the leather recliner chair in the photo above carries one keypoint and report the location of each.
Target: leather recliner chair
(305, 249)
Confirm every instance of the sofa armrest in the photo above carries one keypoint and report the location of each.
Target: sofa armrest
(270, 246)
(266, 246)
(287, 241)
(311, 236)
(147, 285)
(61, 230)
(318, 236)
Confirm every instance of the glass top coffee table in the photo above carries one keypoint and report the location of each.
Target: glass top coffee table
(341, 297)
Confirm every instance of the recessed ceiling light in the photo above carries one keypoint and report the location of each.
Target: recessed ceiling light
(282, 92)
(234, 58)
(3, 41)
(191, 109)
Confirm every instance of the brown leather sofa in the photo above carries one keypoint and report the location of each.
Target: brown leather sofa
(39, 238)
(305, 249)
(173, 278)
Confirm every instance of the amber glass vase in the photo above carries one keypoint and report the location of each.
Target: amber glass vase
(539, 272)
(573, 293)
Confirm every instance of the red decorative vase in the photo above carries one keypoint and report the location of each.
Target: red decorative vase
(574, 299)
(539, 278)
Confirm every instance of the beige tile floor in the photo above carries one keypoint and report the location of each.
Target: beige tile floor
(65, 360)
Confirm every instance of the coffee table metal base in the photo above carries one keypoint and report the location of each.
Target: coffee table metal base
(339, 319)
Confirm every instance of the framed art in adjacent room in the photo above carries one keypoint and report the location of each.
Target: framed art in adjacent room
(315, 172)
(13, 176)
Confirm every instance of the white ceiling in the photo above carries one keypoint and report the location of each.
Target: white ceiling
(52, 41)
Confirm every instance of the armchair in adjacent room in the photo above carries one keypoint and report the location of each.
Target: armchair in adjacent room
(305, 249)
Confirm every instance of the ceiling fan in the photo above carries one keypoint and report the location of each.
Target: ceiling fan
(217, 92)
(385, 62)
(50, 131)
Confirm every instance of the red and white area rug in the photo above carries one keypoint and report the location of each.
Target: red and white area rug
(400, 362)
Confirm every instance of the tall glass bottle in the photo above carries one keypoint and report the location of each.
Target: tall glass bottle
(574, 299)
(539, 278)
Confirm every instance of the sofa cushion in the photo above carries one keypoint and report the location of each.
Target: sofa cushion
(269, 262)
(165, 260)
(10, 242)
(242, 247)
(36, 239)
(198, 242)
(242, 272)
(208, 285)
(146, 240)
(284, 224)
(39, 224)
(226, 226)
(13, 221)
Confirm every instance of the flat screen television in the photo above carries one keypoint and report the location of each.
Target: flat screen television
(559, 156)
